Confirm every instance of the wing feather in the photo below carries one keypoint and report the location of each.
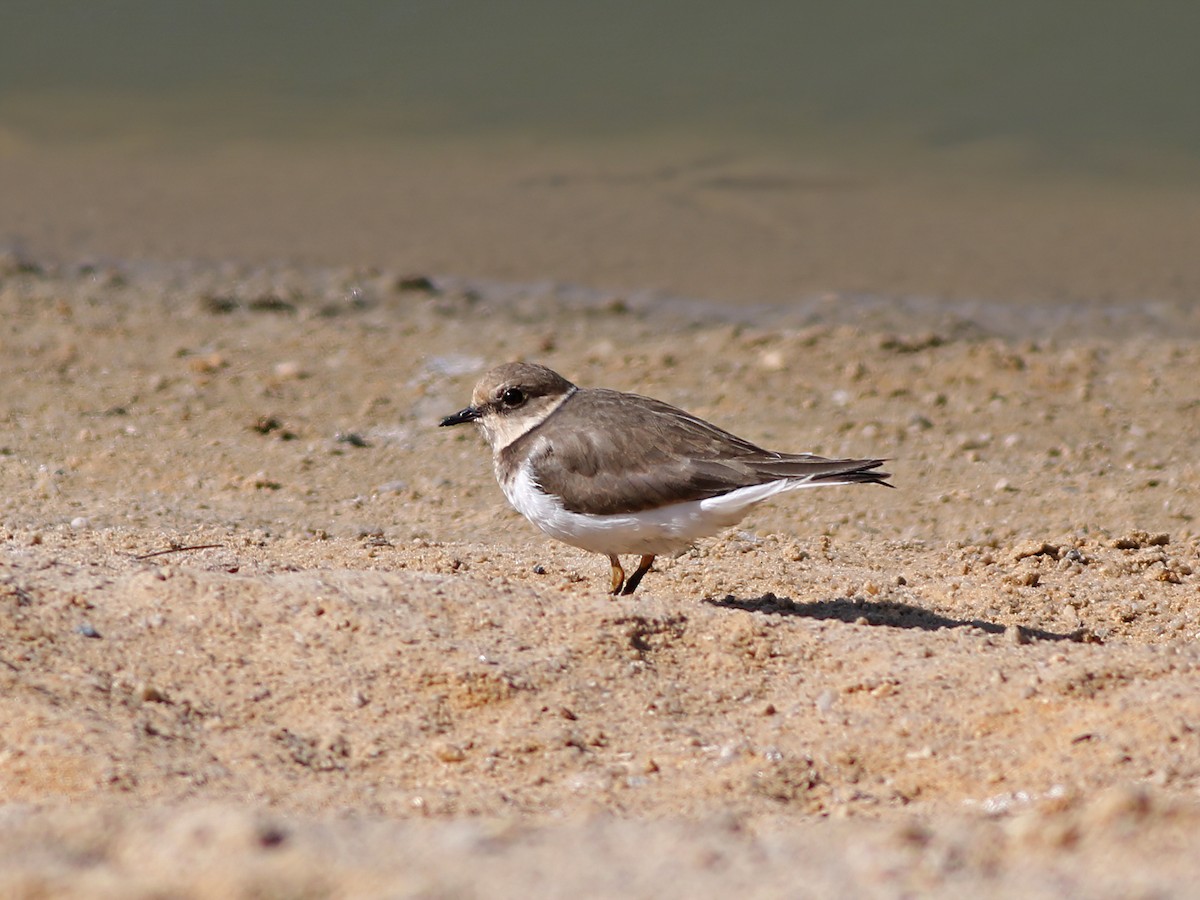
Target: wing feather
(609, 455)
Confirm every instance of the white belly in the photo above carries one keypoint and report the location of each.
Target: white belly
(653, 531)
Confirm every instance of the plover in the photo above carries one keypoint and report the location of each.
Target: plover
(618, 473)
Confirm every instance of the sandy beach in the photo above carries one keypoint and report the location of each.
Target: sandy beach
(268, 630)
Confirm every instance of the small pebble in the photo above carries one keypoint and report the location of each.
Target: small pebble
(421, 284)
(286, 371)
(151, 694)
(1027, 549)
(772, 361)
(204, 365)
(79, 522)
(1015, 634)
(450, 753)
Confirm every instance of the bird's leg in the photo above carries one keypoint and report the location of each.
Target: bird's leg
(636, 578)
(618, 574)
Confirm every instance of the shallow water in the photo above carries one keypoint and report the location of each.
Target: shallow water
(1107, 88)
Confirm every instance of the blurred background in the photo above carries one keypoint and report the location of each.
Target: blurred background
(1019, 153)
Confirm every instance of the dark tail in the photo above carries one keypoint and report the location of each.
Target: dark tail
(858, 471)
(818, 470)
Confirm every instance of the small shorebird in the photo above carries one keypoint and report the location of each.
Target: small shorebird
(615, 473)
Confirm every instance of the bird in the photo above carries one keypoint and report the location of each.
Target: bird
(617, 473)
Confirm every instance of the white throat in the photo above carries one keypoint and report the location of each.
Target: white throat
(502, 431)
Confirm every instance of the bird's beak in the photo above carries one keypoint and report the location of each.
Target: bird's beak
(470, 414)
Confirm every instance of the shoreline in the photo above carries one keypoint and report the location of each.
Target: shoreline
(870, 313)
(678, 218)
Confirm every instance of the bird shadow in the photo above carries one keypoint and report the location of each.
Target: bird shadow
(882, 612)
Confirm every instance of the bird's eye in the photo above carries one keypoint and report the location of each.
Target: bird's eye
(512, 397)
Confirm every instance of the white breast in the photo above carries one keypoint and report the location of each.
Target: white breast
(653, 531)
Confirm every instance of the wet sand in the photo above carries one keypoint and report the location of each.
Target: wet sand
(729, 223)
(265, 628)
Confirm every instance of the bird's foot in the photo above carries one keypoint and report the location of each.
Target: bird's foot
(636, 578)
(618, 574)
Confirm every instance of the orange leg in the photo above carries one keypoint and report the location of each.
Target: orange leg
(636, 578)
(618, 574)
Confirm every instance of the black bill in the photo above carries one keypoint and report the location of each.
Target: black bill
(470, 414)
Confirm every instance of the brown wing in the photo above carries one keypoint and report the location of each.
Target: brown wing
(611, 455)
